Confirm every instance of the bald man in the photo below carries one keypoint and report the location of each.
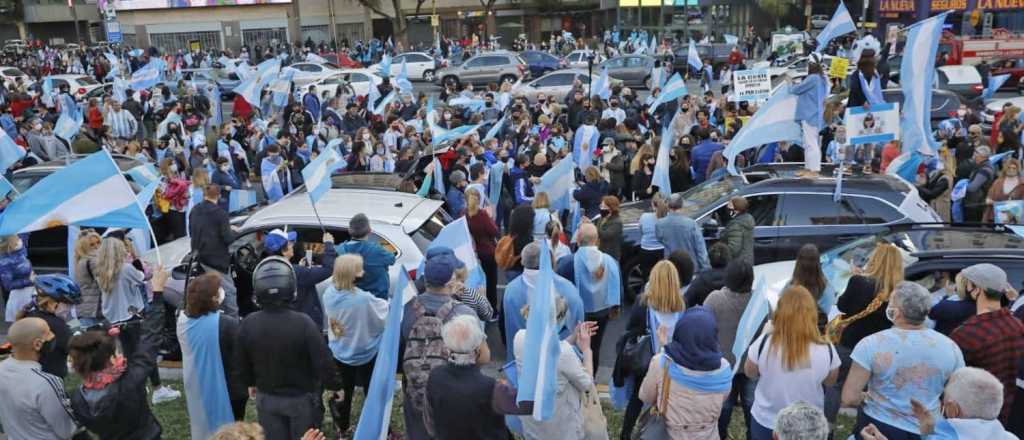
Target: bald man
(32, 403)
(596, 275)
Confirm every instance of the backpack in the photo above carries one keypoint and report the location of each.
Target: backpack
(424, 350)
(505, 253)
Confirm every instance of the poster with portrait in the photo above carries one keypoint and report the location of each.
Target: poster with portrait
(1009, 212)
(880, 123)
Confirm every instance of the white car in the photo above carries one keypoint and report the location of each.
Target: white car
(10, 76)
(819, 21)
(556, 85)
(307, 73)
(577, 59)
(359, 79)
(78, 85)
(418, 65)
(797, 68)
(988, 115)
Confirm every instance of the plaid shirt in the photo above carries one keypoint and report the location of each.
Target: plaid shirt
(994, 342)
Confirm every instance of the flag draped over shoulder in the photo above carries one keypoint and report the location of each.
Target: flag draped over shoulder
(209, 406)
(538, 381)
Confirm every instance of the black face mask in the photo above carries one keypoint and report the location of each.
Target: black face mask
(605, 212)
(47, 347)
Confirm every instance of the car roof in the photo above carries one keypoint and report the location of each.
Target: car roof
(123, 162)
(781, 177)
(934, 241)
(337, 206)
(367, 180)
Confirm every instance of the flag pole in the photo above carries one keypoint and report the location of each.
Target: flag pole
(317, 214)
(149, 225)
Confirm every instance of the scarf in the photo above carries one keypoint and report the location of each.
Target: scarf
(872, 90)
(715, 381)
(695, 341)
(101, 379)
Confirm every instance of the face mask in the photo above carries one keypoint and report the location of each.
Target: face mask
(292, 130)
(489, 104)
(890, 314)
(174, 168)
(220, 296)
(47, 347)
(605, 212)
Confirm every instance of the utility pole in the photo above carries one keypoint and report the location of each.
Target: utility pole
(74, 17)
(334, 25)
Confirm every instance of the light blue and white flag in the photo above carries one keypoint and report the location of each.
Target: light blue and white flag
(471, 104)
(456, 133)
(135, 53)
(438, 177)
(372, 95)
(584, 142)
(840, 24)
(558, 183)
(149, 75)
(47, 91)
(385, 66)
(693, 57)
(455, 236)
(251, 87)
(212, 93)
(281, 87)
(209, 406)
(376, 416)
(755, 314)
(188, 60)
(90, 192)
(538, 380)
(143, 174)
(602, 88)
(775, 121)
(660, 177)
(5, 187)
(115, 66)
(918, 72)
(402, 81)
(383, 104)
(119, 91)
(996, 158)
(10, 152)
(496, 128)
(652, 48)
(70, 120)
(272, 184)
(241, 199)
(674, 89)
(317, 174)
(494, 178)
(243, 70)
(731, 39)
(994, 84)
(905, 166)
(172, 117)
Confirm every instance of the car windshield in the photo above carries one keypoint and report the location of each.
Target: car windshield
(428, 231)
(698, 199)
(86, 81)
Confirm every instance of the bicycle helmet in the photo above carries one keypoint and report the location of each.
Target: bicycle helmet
(273, 281)
(58, 287)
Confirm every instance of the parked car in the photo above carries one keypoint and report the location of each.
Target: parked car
(928, 249)
(1013, 67)
(342, 60)
(718, 53)
(632, 70)
(789, 211)
(359, 79)
(78, 85)
(988, 115)
(48, 249)
(541, 62)
(418, 65)
(485, 68)
(577, 59)
(402, 223)
(307, 73)
(962, 80)
(11, 75)
(556, 85)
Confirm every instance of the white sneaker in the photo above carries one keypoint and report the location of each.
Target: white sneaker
(165, 394)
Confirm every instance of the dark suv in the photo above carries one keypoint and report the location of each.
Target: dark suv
(789, 211)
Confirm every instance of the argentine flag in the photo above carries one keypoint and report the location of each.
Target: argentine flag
(584, 156)
(438, 177)
(455, 236)
(317, 174)
(840, 24)
(115, 66)
(918, 71)
(402, 81)
(90, 192)
(674, 89)
(731, 39)
(453, 134)
(471, 104)
(70, 120)
(603, 87)
(775, 121)
(994, 84)
(119, 90)
(755, 313)
(693, 57)
(281, 87)
(376, 416)
(379, 108)
(385, 66)
(241, 199)
(905, 166)
(495, 129)
(251, 87)
(148, 76)
(538, 379)
(209, 406)
(10, 152)
(143, 174)
(660, 178)
(558, 183)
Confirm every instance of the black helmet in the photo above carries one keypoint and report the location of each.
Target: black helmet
(273, 281)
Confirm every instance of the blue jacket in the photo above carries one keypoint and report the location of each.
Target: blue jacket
(679, 232)
(456, 202)
(15, 269)
(811, 93)
(308, 300)
(223, 180)
(522, 185)
(702, 154)
(312, 104)
(376, 261)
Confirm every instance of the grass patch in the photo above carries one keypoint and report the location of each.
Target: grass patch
(173, 416)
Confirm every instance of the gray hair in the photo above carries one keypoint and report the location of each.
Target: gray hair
(977, 392)
(531, 256)
(675, 202)
(912, 300)
(462, 335)
(801, 421)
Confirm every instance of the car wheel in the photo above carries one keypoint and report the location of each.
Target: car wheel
(451, 81)
(507, 78)
(428, 76)
(647, 82)
(634, 281)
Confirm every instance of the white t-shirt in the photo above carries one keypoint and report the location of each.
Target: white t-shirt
(777, 387)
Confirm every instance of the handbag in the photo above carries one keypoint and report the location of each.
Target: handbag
(637, 353)
(652, 424)
(595, 426)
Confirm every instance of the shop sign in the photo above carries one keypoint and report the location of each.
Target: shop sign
(896, 5)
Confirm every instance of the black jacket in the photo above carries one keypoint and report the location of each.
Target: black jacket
(465, 403)
(211, 234)
(703, 284)
(54, 362)
(857, 97)
(589, 195)
(282, 352)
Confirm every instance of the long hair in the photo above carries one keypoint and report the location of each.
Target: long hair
(663, 288)
(200, 177)
(795, 328)
(886, 267)
(347, 268)
(541, 200)
(807, 272)
(85, 245)
(640, 156)
(472, 202)
(9, 244)
(109, 261)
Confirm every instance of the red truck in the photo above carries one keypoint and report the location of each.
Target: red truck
(970, 50)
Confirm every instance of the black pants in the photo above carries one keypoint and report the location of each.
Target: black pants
(601, 318)
(288, 417)
(129, 337)
(172, 225)
(351, 377)
(238, 408)
(491, 271)
(973, 214)
(632, 411)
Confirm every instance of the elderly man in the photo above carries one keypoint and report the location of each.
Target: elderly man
(906, 361)
(800, 421)
(456, 389)
(979, 181)
(517, 296)
(676, 232)
(971, 404)
(597, 278)
(32, 403)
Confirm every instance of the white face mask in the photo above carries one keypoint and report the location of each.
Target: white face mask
(890, 314)
(220, 296)
(366, 138)
(174, 168)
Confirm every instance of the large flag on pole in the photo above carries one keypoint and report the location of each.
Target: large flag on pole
(89, 192)
(402, 81)
(660, 178)
(376, 416)
(693, 57)
(558, 183)
(918, 77)
(317, 175)
(840, 24)
(251, 87)
(775, 121)
(455, 236)
(755, 313)
(538, 381)
(674, 89)
(602, 88)
(149, 75)
(70, 120)
(10, 152)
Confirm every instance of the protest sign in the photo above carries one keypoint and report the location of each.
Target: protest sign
(1009, 212)
(837, 68)
(880, 123)
(751, 85)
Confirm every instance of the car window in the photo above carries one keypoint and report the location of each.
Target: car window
(867, 211)
(86, 81)
(763, 208)
(58, 83)
(417, 58)
(475, 62)
(635, 61)
(809, 210)
(960, 74)
(532, 57)
(583, 78)
(358, 77)
(558, 79)
(618, 62)
(13, 72)
(428, 231)
(332, 80)
(574, 57)
(397, 60)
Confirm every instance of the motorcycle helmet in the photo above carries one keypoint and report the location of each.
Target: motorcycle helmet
(58, 287)
(273, 281)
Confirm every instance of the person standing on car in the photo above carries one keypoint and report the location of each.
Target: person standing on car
(210, 233)
(376, 259)
(811, 93)
(865, 83)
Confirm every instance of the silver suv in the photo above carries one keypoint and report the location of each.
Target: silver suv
(491, 67)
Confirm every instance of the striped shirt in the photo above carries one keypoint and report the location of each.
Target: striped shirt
(122, 124)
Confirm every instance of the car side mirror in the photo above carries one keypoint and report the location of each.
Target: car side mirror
(710, 227)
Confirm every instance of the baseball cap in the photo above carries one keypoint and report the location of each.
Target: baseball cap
(278, 239)
(438, 270)
(986, 276)
(445, 251)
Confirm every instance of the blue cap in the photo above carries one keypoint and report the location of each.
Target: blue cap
(437, 251)
(438, 270)
(277, 240)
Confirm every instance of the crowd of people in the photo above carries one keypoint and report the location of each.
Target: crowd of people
(909, 364)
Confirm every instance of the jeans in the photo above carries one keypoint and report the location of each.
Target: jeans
(759, 432)
(288, 417)
(890, 432)
(742, 390)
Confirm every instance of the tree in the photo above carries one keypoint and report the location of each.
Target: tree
(488, 6)
(398, 23)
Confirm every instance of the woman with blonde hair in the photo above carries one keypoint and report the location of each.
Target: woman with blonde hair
(1009, 186)
(792, 359)
(84, 256)
(355, 323)
(171, 200)
(485, 238)
(541, 214)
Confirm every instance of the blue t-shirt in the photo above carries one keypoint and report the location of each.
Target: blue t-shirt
(648, 233)
(906, 364)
